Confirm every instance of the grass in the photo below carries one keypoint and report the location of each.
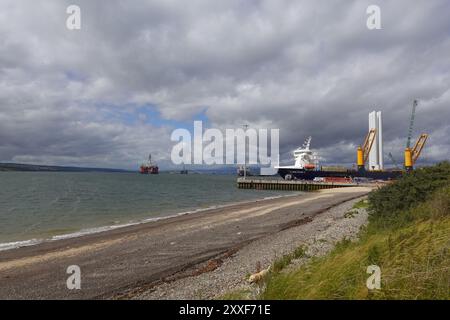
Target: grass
(414, 264)
(285, 260)
(362, 204)
(236, 295)
(351, 213)
(408, 237)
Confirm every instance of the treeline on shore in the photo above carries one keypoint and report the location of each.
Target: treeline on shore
(407, 237)
(45, 168)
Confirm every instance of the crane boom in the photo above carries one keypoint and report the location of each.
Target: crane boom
(411, 124)
(420, 143)
(368, 142)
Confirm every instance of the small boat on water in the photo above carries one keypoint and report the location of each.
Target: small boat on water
(184, 170)
(149, 167)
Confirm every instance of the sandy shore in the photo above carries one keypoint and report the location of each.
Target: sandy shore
(137, 261)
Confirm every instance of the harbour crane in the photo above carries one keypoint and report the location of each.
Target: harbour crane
(411, 155)
(411, 123)
(418, 147)
(364, 150)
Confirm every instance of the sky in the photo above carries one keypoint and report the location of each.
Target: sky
(113, 91)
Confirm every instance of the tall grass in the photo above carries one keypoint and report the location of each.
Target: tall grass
(408, 237)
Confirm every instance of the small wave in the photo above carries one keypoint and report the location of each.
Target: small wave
(88, 231)
(19, 244)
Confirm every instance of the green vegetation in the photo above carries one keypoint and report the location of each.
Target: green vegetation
(351, 213)
(284, 261)
(408, 237)
(237, 295)
(43, 168)
(362, 204)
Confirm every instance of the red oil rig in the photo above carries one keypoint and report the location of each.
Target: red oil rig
(149, 167)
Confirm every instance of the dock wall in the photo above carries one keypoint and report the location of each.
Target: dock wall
(292, 185)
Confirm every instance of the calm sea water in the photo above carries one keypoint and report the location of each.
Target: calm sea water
(42, 206)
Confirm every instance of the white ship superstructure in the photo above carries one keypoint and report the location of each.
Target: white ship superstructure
(304, 157)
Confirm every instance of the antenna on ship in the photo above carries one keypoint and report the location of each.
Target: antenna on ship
(307, 143)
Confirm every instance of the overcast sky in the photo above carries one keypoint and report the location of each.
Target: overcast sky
(108, 94)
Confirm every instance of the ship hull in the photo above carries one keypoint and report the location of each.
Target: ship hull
(149, 170)
(302, 174)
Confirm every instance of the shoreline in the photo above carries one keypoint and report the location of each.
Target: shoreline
(5, 246)
(139, 256)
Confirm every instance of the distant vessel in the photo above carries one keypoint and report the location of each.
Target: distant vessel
(306, 168)
(244, 171)
(184, 170)
(149, 167)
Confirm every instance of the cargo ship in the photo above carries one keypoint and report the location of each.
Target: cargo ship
(306, 168)
(149, 167)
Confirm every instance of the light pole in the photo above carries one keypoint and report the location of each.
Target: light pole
(245, 126)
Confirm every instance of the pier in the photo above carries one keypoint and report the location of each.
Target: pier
(292, 185)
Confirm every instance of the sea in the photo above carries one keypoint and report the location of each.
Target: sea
(48, 206)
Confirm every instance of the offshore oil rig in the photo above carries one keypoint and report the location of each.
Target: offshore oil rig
(149, 167)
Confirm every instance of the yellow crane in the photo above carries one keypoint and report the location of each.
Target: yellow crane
(411, 155)
(363, 151)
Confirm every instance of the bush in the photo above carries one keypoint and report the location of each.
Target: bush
(390, 205)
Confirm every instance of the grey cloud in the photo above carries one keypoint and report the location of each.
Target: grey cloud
(306, 67)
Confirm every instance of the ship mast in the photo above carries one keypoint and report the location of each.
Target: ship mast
(307, 143)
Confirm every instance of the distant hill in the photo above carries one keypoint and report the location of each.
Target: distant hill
(225, 170)
(34, 167)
